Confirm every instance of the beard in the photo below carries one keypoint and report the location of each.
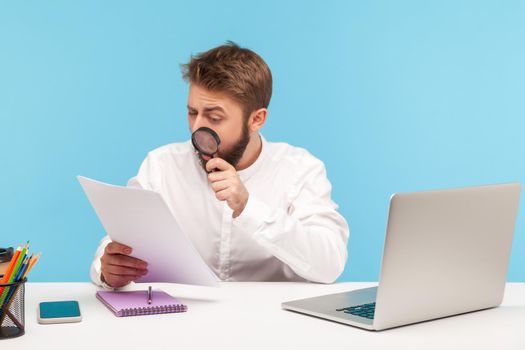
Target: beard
(235, 153)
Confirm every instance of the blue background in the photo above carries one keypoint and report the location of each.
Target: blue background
(391, 95)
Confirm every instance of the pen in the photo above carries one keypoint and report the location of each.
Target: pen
(149, 295)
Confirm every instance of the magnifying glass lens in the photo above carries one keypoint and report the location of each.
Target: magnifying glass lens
(206, 141)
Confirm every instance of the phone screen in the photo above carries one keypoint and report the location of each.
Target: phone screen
(59, 309)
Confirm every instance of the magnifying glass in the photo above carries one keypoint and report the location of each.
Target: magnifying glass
(206, 142)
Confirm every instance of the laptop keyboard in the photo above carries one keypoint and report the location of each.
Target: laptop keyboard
(365, 310)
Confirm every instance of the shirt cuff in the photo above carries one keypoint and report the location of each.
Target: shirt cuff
(97, 276)
(106, 286)
(255, 214)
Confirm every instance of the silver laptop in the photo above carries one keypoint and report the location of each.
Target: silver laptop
(446, 252)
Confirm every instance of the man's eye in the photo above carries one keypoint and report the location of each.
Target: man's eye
(192, 114)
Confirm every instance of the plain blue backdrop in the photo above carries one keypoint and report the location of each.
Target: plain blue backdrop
(391, 95)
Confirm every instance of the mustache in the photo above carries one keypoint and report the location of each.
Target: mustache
(233, 155)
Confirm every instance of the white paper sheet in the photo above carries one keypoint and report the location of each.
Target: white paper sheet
(142, 220)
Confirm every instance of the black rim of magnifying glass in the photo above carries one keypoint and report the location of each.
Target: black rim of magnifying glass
(212, 133)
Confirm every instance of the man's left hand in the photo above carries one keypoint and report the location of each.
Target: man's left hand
(227, 185)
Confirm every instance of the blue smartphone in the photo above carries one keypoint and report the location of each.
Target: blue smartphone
(59, 312)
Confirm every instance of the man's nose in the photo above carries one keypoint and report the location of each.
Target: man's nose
(199, 123)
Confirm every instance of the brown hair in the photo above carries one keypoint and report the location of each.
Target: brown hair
(236, 71)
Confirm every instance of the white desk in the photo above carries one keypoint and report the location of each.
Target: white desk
(249, 316)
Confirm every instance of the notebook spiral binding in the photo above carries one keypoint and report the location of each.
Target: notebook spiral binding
(139, 311)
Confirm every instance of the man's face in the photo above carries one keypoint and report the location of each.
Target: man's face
(221, 113)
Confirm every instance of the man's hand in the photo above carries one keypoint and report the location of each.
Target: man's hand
(118, 268)
(227, 185)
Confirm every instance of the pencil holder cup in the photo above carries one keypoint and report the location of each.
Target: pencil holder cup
(12, 310)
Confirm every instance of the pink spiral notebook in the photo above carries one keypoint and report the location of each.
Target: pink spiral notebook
(135, 303)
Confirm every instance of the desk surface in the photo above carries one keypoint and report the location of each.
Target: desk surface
(249, 316)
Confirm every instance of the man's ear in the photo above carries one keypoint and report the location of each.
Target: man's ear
(257, 119)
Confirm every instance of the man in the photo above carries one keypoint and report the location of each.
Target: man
(259, 210)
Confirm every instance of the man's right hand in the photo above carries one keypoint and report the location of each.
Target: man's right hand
(118, 268)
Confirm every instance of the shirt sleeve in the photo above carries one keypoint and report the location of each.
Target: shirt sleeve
(149, 175)
(311, 237)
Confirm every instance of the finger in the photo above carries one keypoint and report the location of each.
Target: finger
(220, 175)
(223, 195)
(123, 271)
(124, 260)
(220, 185)
(118, 248)
(218, 163)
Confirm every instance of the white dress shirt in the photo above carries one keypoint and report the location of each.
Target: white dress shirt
(288, 231)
